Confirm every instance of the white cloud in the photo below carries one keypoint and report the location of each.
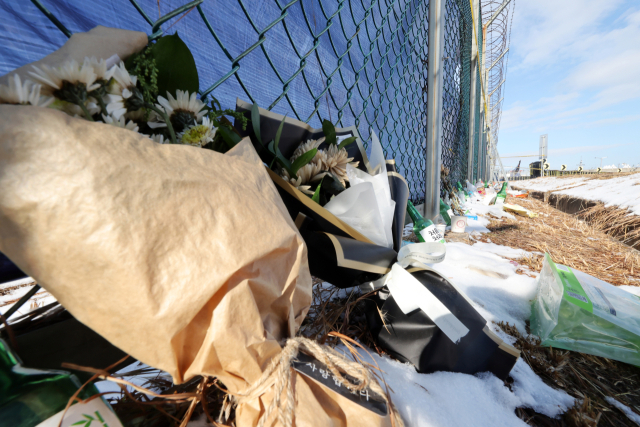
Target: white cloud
(588, 56)
(547, 30)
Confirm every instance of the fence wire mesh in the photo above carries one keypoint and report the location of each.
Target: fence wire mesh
(350, 61)
(456, 85)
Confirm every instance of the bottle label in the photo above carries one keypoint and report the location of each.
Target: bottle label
(431, 234)
(95, 414)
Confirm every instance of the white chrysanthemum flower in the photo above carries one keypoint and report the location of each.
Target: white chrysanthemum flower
(159, 138)
(297, 182)
(120, 90)
(101, 70)
(121, 123)
(71, 71)
(335, 160)
(92, 106)
(23, 93)
(307, 146)
(183, 108)
(122, 79)
(198, 135)
(310, 172)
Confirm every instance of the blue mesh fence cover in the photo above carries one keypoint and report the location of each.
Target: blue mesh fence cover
(349, 61)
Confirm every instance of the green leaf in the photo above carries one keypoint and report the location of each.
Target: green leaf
(176, 66)
(329, 132)
(279, 133)
(331, 185)
(316, 194)
(229, 136)
(255, 121)
(303, 160)
(328, 187)
(285, 163)
(346, 142)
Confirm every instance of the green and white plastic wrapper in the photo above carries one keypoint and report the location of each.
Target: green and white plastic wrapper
(575, 311)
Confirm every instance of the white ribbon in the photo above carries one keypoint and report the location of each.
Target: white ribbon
(410, 294)
(422, 253)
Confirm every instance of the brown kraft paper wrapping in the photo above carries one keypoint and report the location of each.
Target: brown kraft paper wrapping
(184, 258)
(100, 42)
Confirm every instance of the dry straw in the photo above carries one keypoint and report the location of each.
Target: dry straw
(569, 240)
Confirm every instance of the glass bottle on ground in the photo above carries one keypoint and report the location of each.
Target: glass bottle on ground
(37, 398)
(424, 229)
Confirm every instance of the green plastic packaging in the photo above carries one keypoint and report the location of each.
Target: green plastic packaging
(37, 398)
(578, 312)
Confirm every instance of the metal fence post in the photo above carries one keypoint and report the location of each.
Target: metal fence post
(472, 98)
(434, 109)
(487, 169)
(480, 170)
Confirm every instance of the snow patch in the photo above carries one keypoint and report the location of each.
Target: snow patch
(447, 399)
(623, 191)
(625, 409)
(499, 294)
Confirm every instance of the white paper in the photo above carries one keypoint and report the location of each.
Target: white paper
(94, 413)
(377, 160)
(358, 207)
(384, 204)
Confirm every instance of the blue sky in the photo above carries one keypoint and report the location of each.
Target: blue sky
(574, 74)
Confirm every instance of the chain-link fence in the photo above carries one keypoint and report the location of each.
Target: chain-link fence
(350, 61)
(457, 77)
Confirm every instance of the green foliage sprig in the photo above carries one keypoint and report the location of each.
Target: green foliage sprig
(143, 65)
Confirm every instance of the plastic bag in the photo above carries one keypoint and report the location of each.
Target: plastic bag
(578, 312)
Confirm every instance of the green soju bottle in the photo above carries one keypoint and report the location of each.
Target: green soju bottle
(423, 228)
(37, 398)
(459, 187)
(446, 212)
(502, 194)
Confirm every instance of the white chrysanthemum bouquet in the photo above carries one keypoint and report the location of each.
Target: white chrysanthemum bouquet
(131, 95)
(155, 92)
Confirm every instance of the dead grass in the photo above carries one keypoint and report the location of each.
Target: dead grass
(336, 310)
(616, 222)
(138, 408)
(587, 378)
(569, 240)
